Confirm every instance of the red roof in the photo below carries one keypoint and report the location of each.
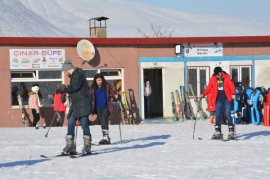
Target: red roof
(130, 41)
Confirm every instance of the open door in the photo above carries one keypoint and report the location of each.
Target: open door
(153, 99)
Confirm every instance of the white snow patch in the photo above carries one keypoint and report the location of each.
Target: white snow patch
(149, 151)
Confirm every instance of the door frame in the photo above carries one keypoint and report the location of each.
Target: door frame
(141, 91)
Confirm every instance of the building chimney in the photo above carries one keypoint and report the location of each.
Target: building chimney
(97, 28)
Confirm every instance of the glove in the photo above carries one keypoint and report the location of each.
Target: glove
(37, 111)
(92, 117)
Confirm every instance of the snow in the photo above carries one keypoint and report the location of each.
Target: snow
(149, 151)
(58, 18)
(16, 20)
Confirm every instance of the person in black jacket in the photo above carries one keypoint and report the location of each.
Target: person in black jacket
(80, 108)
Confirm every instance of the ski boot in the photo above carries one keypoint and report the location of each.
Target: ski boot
(231, 134)
(70, 146)
(217, 135)
(87, 145)
(106, 139)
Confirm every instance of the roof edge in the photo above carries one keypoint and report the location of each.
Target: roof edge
(130, 41)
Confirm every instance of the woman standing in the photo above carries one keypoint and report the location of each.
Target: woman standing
(34, 104)
(102, 93)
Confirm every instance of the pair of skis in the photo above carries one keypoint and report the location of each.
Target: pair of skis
(129, 108)
(22, 110)
(78, 155)
(181, 108)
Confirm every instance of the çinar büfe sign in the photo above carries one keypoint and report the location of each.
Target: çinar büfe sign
(36, 58)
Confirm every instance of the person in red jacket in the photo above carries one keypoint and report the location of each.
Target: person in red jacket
(223, 92)
(58, 105)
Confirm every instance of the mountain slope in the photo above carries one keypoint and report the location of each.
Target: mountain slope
(17, 20)
(127, 16)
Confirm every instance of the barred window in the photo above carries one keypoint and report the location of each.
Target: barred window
(198, 77)
(241, 74)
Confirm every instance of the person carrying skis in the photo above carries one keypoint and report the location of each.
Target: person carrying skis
(102, 93)
(80, 108)
(223, 90)
(58, 104)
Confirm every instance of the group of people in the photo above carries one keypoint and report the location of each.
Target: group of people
(81, 103)
(86, 102)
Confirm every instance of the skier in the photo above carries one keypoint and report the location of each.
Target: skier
(223, 90)
(102, 93)
(59, 106)
(80, 108)
(34, 104)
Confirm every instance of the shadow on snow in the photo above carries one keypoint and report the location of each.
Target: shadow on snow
(149, 138)
(22, 163)
(253, 134)
(137, 146)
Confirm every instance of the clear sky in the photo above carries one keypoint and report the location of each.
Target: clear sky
(245, 9)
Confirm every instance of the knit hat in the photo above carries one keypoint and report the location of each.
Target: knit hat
(35, 89)
(67, 65)
(217, 70)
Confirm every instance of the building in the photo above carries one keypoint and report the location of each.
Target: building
(126, 62)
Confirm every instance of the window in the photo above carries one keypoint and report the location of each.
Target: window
(241, 74)
(198, 77)
(47, 80)
(113, 76)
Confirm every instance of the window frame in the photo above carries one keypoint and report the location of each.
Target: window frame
(34, 79)
(109, 78)
(198, 79)
(239, 71)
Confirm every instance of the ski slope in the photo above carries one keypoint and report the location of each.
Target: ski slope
(149, 151)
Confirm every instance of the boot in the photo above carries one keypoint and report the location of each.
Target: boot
(106, 139)
(70, 146)
(217, 134)
(231, 134)
(87, 145)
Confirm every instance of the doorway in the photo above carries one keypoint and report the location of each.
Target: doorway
(153, 99)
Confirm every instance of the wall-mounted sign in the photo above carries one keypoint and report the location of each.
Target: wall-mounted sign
(36, 58)
(205, 49)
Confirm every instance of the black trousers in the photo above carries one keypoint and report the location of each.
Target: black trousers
(60, 117)
(103, 118)
(36, 117)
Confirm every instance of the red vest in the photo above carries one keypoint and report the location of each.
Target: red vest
(57, 99)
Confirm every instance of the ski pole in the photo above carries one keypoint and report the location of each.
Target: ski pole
(120, 132)
(46, 135)
(75, 139)
(198, 110)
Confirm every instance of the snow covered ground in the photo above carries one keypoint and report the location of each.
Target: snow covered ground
(149, 151)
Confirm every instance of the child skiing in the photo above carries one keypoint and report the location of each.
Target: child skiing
(59, 106)
(223, 90)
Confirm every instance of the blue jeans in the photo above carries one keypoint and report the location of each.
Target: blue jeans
(84, 124)
(221, 106)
